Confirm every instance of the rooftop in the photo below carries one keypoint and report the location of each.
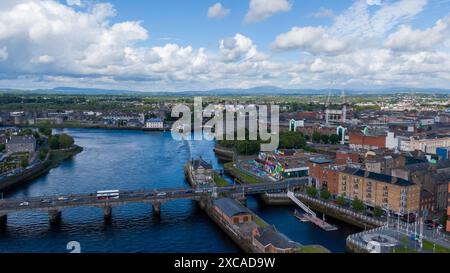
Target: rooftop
(378, 177)
(197, 163)
(21, 140)
(320, 160)
(231, 207)
(269, 235)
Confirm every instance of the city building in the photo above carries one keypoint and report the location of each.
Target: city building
(154, 124)
(269, 240)
(426, 145)
(396, 194)
(232, 211)
(202, 171)
(368, 142)
(448, 209)
(21, 144)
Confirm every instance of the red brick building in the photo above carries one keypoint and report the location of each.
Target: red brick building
(231, 211)
(325, 173)
(360, 141)
(344, 157)
(448, 209)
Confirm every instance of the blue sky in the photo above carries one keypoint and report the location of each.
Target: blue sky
(198, 45)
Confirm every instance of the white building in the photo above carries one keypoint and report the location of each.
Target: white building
(424, 145)
(154, 124)
(392, 142)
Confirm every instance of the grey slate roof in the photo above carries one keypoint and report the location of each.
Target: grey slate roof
(269, 235)
(378, 177)
(21, 140)
(200, 162)
(231, 207)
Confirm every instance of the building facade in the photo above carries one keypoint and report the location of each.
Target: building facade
(21, 144)
(395, 194)
(360, 141)
(425, 145)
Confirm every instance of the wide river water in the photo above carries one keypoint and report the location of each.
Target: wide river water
(130, 160)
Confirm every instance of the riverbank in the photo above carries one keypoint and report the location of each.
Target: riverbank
(53, 159)
(241, 234)
(331, 210)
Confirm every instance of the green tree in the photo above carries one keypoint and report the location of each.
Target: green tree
(24, 162)
(341, 201)
(316, 137)
(2, 147)
(26, 132)
(358, 205)
(334, 139)
(377, 211)
(43, 153)
(443, 220)
(325, 194)
(54, 142)
(325, 139)
(45, 131)
(311, 191)
(65, 141)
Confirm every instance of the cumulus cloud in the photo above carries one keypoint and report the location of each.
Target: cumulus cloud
(408, 39)
(260, 10)
(235, 48)
(373, 2)
(310, 39)
(78, 3)
(45, 44)
(218, 11)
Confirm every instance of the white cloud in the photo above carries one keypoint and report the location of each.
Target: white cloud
(3, 53)
(78, 3)
(260, 10)
(373, 2)
(218, 11)
(47, 44)
(364, 23)
(408, 39)
(310, 39)
(235, 48)
(323, 13)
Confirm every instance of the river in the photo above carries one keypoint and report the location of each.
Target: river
(130, 160)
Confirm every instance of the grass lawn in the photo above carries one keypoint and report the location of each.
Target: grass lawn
(428, 246)
(219, 180)
(246, 178)
(260, 222)
(403, 250)
(312, 249)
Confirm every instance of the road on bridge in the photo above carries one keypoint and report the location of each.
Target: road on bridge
(47, 203)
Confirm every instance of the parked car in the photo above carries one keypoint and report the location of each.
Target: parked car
(24, 204)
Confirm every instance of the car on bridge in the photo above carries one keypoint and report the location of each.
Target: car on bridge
(161, 194)
(24, 204)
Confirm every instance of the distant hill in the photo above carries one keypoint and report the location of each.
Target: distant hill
(256, 91)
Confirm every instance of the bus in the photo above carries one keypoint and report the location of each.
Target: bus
(106, 195)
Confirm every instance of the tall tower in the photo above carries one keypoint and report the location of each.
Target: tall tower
(344, 107)
(327, 110)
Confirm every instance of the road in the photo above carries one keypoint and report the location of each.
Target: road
(47, 203)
